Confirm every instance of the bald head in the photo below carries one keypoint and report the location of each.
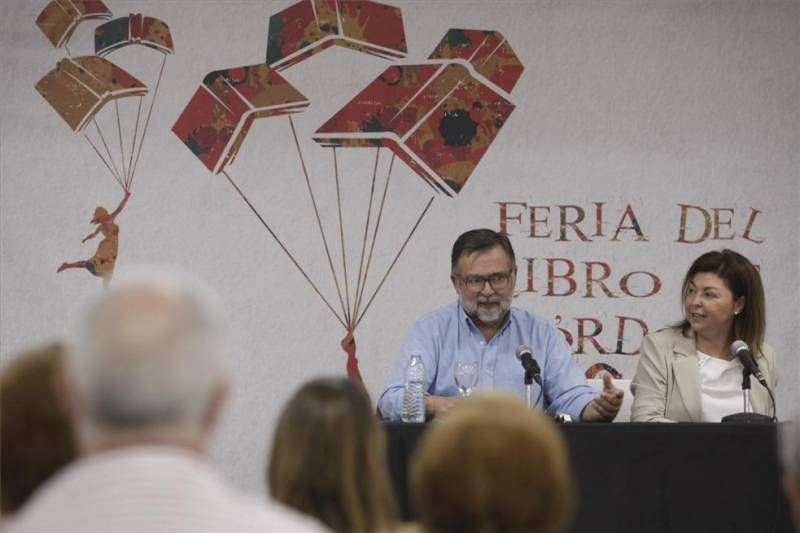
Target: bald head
(146, 359)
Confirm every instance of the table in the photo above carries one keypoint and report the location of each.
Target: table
(655, 477)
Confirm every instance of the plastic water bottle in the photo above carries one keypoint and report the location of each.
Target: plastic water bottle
(414, 393)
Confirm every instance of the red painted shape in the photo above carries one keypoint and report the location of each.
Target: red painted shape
(349, 346)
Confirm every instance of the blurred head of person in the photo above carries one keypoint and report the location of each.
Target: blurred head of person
(328, 458)
(492, 465)
(723, 297)
(791, 466)
(36, 434)
(146, 366)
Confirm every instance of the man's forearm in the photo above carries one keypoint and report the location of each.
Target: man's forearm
(436, 405)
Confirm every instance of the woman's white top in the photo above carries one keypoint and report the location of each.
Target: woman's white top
(720, 387)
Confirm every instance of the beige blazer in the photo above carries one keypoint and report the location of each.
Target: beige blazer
(666, 387)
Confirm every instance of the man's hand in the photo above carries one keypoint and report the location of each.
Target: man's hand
(606, 406)
(438, 405)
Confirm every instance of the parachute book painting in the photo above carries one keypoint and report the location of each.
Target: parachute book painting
(438, 116)
(103, 103)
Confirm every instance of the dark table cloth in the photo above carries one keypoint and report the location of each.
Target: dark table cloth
(655, 477)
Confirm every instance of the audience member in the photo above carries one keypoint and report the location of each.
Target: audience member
(145, 383)
(492, 465)
(36, 435)
(328, 458)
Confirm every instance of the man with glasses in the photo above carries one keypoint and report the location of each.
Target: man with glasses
(483, 328)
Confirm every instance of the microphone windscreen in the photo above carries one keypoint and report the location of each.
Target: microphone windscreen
(522, 350)
(738, 346)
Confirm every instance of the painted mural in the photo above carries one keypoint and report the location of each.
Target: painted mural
(351, 142)
(440, 110)
(438, 116)
(103, 103)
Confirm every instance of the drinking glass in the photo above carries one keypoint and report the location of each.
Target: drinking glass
(466, 377)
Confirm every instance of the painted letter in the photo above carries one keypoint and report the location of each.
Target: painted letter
(572, 224)
(504, 218)
(552, 276)
(746, 235)
(684, 215)
(654, 287)
(529, 286)
(598, 219)
(535, 222)
(598, 328)
(718, 222)
(634, 225)
(590, 279)
(621, 338)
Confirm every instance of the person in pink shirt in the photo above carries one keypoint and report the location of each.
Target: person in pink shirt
(145, 383)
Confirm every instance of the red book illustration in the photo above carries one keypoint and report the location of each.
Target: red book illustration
(439, 117)
(59, 18)
(310, 26)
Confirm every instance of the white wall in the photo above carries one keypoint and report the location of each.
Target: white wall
(647, 104)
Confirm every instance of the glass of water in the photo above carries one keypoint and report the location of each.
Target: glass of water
(466, 377)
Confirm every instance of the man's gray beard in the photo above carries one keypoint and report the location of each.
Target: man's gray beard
(487, 317)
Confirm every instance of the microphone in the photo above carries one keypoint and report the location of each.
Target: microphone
(741, 351)
(525, 356)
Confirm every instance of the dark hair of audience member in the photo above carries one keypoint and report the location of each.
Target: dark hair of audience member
(329, 458)
(36, 435)
(492, 466)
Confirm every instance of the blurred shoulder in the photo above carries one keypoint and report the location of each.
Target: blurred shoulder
(768, 351)
(447, 313)
(527, 319)
(768, 354)
(668, 340)
(239, 512)
(667, 336)
(276, 517)
(409, 527)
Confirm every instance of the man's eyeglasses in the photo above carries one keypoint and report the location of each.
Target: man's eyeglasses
(497, 281)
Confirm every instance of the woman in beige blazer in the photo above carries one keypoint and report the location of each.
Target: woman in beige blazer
(723, 301)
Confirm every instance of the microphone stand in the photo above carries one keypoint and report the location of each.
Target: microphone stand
(747, 407)
(528, 387)
(747, 416)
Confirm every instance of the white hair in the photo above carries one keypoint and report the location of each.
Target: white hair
(146, 357)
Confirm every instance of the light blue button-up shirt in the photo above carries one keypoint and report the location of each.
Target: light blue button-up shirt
(447, 335)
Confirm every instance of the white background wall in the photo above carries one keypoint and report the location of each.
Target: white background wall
(652, 104)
